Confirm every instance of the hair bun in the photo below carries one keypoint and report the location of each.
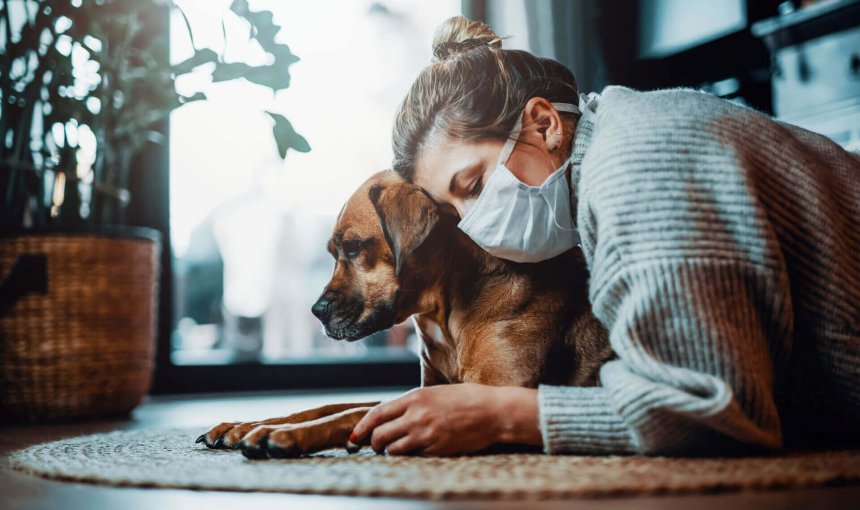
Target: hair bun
(446, 49)
(459, 34)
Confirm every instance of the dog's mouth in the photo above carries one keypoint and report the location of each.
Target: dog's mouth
(351, 327)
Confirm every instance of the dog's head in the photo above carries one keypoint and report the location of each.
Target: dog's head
(380, 226)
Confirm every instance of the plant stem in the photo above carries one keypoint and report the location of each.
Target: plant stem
(5, 111)
(21, 151)
(5, 81)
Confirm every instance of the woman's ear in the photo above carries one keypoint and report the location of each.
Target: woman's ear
(542, 119)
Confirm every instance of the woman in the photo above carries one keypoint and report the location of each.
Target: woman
(723, 248)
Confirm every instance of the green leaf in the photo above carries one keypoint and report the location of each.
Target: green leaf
(262, 22)
(274, 77)
(200, 57)
(264, 30)
(240, 7)
(286, 137)
(198, 96)
(281, 52)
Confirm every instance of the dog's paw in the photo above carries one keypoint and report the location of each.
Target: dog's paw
(227, 434)
(278, 442)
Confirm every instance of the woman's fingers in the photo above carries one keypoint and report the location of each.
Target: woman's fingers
(380, 414)
(403, 446)
(388, 433)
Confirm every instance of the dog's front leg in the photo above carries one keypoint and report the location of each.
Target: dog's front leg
(293, 440)
(228, 434)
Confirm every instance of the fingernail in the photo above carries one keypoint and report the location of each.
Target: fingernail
(353, 438)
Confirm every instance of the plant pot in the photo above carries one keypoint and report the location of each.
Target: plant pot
(77, 323)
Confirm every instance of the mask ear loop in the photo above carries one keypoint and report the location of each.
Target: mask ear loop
(554, 219)
(568, 108)
(510, 143)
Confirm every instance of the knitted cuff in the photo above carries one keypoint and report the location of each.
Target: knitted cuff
(581, 420)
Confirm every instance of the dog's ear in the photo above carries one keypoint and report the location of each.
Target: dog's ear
(407, 214)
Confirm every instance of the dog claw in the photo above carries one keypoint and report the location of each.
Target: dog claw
(201, 438)
(219, 443)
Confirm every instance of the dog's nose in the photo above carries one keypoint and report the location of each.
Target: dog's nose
(321, 308)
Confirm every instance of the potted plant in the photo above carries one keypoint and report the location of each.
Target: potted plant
(84, 86)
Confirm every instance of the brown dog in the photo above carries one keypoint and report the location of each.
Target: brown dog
(480, 319)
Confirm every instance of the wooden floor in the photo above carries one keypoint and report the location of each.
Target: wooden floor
(18, 491)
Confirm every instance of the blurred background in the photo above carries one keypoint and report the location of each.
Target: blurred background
(248, 229)
(238, 128)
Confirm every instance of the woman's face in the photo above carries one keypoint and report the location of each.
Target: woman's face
(453, 173)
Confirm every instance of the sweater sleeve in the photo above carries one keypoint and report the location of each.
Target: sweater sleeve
(694, 368)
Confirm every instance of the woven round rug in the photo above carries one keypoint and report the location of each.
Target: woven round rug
(170, 458)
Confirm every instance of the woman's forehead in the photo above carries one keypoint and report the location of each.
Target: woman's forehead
(437, 164)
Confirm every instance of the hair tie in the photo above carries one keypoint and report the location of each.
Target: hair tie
(445, 50)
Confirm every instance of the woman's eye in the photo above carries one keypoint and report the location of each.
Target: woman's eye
(476, 188)
(351, 248)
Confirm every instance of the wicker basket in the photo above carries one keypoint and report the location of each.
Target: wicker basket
(77, 323)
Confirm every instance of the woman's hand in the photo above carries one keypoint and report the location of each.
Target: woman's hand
(451, 419)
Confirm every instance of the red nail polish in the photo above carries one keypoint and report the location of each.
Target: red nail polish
(353, 438)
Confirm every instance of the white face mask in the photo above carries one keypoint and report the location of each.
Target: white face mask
(518, 222)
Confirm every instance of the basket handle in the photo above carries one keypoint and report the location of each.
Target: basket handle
(29, 274)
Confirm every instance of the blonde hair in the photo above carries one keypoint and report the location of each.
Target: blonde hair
(473, 90)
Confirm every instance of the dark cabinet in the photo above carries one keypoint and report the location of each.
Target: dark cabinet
(815, 61)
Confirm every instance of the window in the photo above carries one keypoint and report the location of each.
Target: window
(249, 230)
(660, 33)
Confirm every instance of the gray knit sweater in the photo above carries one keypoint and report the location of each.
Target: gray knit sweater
(724, 249)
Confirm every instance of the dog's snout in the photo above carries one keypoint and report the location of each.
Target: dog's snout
(322, 308)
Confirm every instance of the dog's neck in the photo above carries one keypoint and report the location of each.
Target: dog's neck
(446, 265)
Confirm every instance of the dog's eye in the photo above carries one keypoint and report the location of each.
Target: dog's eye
(351, 248)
